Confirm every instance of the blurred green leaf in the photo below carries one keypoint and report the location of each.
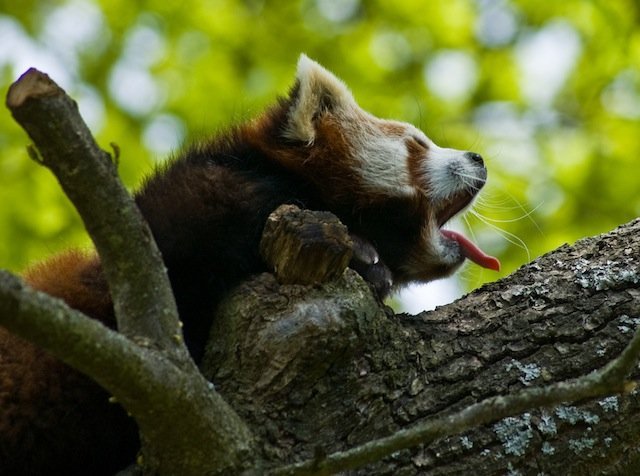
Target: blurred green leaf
(548, 92)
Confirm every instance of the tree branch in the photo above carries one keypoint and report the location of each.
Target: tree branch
(304, 246)
(143, 302)
(604, 382)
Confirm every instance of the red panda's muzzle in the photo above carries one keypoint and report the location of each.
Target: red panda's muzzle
(455, 205)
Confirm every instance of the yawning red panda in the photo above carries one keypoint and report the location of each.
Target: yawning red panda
(385, 180)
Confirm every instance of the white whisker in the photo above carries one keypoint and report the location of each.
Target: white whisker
(489, 201)
(511, 220)
(510, 237)
(469, 180)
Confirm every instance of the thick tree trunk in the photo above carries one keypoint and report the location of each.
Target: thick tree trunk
(318, 370)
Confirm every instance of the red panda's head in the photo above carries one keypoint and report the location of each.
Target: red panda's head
(362, 163)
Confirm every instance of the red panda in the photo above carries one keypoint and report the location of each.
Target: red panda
(385, 180)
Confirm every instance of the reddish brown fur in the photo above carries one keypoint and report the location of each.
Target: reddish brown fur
(74, 276)
(329, 154)
(37, 387)
(415, 163)
(392, 128)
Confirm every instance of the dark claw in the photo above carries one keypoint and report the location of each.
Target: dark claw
(363, 251)
(366, 262)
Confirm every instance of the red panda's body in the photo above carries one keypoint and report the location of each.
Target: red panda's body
(387, 182)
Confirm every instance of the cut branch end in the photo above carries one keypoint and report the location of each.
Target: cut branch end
(32, 84)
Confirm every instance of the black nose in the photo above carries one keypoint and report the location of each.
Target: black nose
(477, 158)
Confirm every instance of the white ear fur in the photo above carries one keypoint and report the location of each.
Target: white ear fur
(318, 89)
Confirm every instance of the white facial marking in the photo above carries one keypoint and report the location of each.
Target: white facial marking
(383, 160)
(448, 171)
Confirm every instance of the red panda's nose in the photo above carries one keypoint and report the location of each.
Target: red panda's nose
(477, 158)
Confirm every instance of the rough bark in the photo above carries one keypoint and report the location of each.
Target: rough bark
(305, 247)
(314, 371)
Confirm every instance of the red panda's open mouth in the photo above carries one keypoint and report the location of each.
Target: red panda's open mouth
(452, 207)
(467, 248)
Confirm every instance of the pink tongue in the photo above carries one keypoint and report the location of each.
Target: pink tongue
(471, 251)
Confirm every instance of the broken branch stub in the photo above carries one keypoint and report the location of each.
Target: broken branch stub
(304, 246)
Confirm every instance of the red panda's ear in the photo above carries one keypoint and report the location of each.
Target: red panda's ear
(317, 90)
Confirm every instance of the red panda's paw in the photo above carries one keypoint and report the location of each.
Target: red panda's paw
(366, 262)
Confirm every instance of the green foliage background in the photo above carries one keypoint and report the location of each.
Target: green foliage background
(562, 154)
